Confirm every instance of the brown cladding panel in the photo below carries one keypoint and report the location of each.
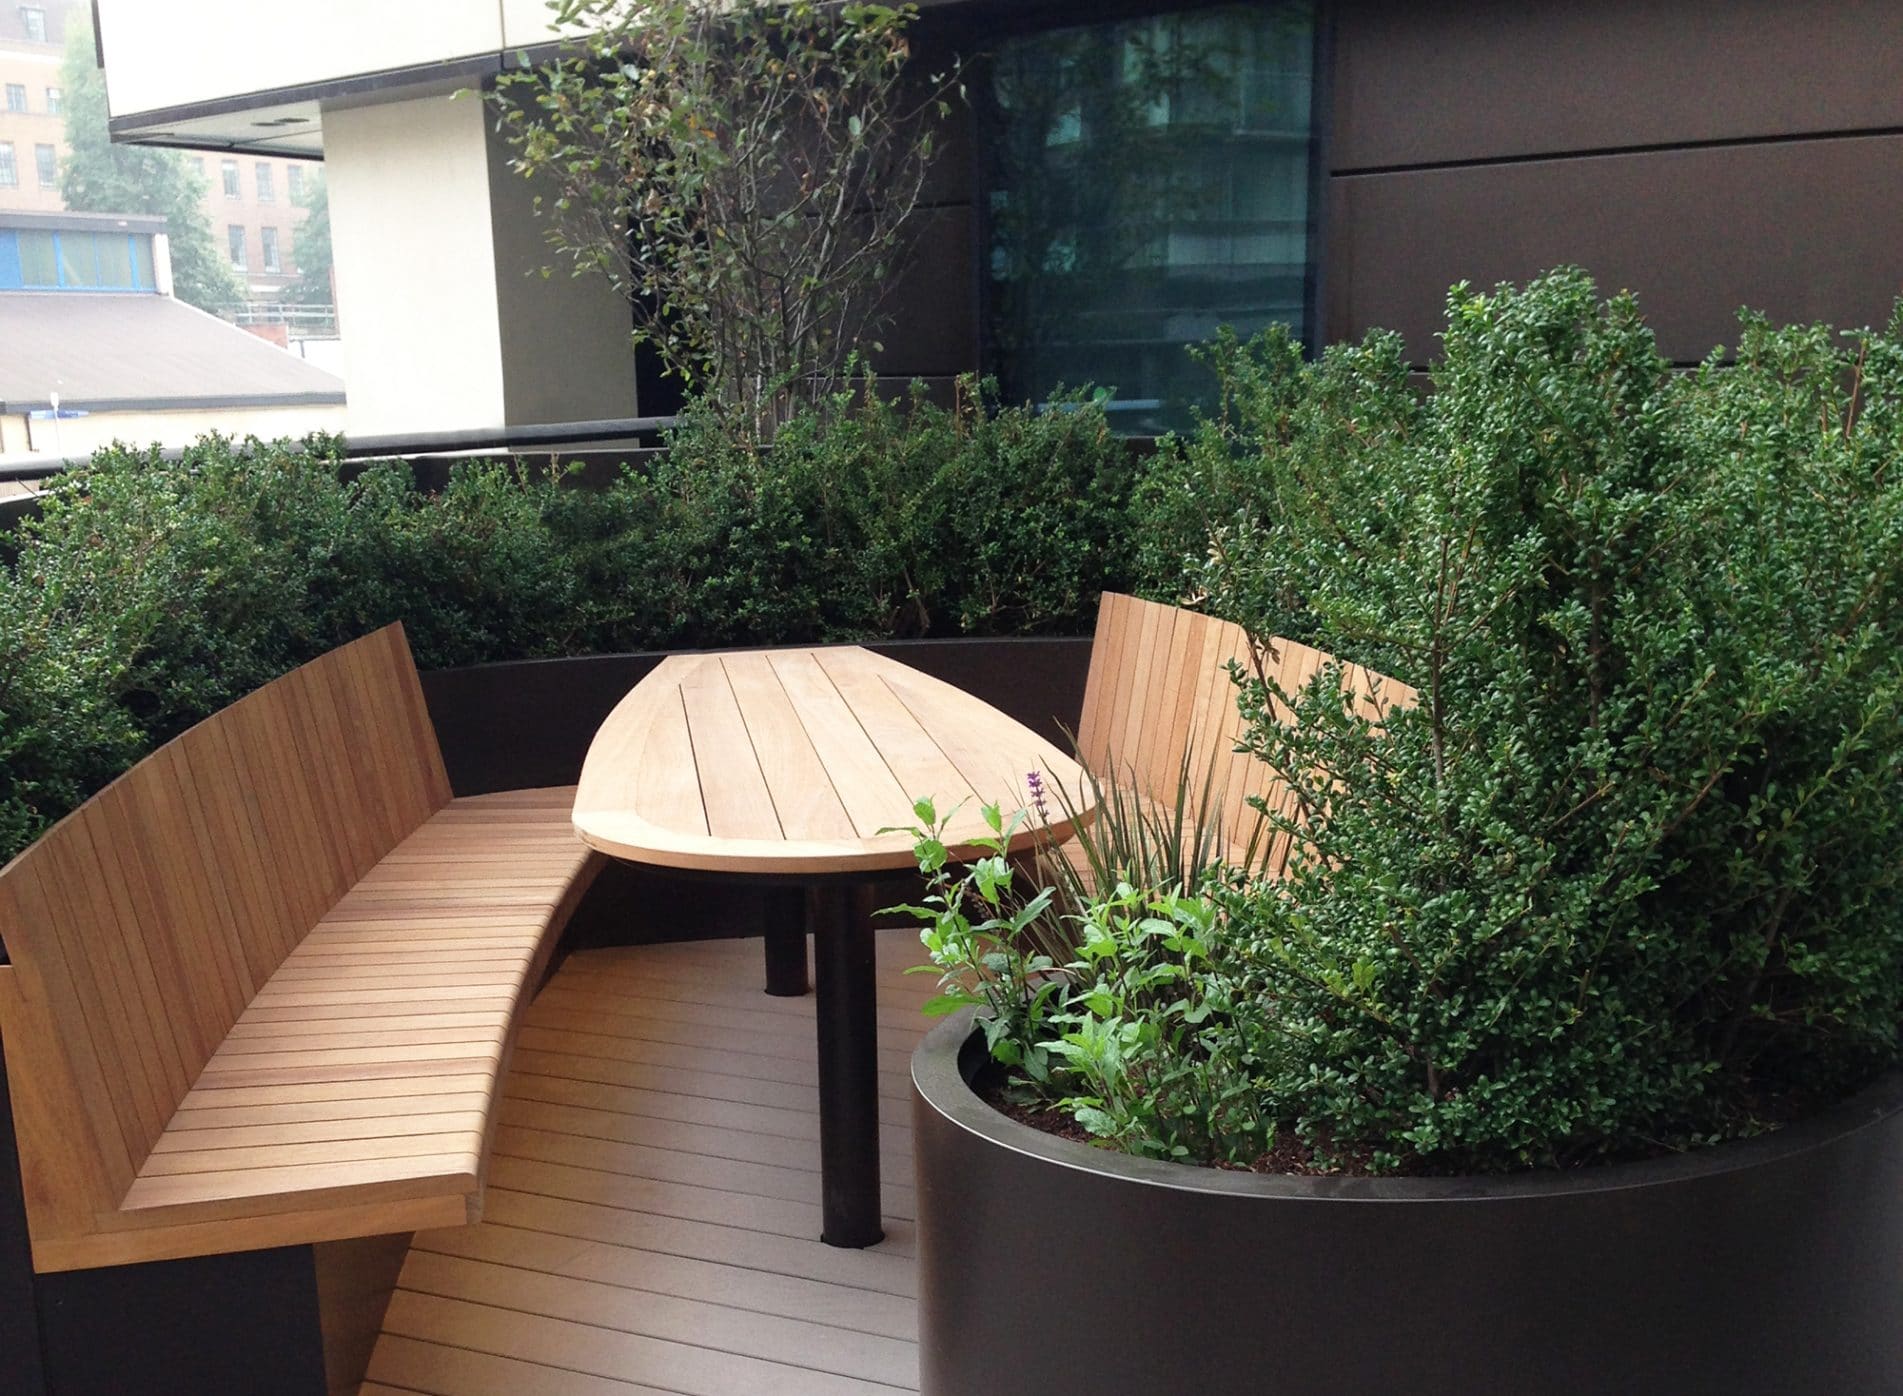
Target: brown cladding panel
(1433, 81)
(932, 331)
(1802, 231)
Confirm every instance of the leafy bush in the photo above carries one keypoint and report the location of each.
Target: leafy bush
(1627, 878)
(150, 594)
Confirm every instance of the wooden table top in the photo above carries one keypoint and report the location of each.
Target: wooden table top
(791, 761)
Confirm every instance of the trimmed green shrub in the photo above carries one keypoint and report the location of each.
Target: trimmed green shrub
(150, 594)
(1627, 878)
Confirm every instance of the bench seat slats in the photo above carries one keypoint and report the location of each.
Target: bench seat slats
(262, 986)
(436, 1148)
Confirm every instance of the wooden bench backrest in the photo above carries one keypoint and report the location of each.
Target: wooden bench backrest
(141, 925)
(1159, 702)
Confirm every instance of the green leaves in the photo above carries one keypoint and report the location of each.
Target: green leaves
(742, 172)
(1629, 866)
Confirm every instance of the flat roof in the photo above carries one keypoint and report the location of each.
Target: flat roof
(63, 222)
(107, 351)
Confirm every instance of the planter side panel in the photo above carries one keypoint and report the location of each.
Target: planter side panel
(1775, 1278)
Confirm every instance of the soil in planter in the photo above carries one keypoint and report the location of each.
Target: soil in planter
(1290, 1155)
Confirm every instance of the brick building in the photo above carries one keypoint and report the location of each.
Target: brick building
(251, 199)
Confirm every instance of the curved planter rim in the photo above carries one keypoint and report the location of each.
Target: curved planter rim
(952, 1052)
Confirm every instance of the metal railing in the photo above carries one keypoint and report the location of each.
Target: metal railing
(538, 437)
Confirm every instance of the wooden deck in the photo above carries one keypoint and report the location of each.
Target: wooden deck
(652, 1214)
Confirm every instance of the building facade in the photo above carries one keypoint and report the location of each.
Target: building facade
(1126, 176)
(95, 349)
(32, 128)
(252, 201)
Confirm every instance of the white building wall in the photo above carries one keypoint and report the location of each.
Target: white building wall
(166, 53)
(415, 265)
(23, 441)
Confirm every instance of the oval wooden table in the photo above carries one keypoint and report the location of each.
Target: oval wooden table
(789, 765)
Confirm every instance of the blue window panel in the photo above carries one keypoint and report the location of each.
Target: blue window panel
(75, 261)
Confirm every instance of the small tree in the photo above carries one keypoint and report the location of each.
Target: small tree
(743, 173)
(312, 286)
(101, 177)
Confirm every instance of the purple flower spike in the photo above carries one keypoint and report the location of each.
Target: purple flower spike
(1036, 782)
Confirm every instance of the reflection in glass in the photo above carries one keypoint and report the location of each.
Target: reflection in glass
(1147, 182)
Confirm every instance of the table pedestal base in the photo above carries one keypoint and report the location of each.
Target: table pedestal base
(786, 943)
(848, 1012)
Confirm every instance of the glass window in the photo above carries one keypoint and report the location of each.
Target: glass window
(78, 260)
(9, 172)
(270, 239)
(234, 237)
(229, 170)
(16, 96)
(33, 20)
(294, 181)
(46, 161)
(39, 262)
(115, 260)
(1147, 182)
(267, 190)
(55, 101)
(146, 278)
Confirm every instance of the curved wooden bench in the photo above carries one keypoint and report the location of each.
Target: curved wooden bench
(1160, 710)
(263, 986)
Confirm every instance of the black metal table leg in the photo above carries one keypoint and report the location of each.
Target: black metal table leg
(848, 1012)
(786, 942)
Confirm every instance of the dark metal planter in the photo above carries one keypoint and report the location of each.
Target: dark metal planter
(1767, 1266)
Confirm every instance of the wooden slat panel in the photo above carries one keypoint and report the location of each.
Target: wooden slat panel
(738, 806)
(1127, 621)
(1093, 723)
(249, 889)
(915, 759)
(865, 785)
(670, 794)
(1145, 675)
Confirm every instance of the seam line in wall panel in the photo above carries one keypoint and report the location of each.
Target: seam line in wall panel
(1604, 152)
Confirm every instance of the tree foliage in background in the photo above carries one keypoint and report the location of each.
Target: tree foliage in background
(743, 173)
(149, 593)
(312, 286)
(101, 177)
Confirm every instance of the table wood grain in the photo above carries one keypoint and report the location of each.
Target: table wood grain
(792, 762)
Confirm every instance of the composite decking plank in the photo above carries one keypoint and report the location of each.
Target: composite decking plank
(693, 1371)
(794, 1126)
(697, 1323)
(651, 1213)
(676, 1137)
(662, 1166)
(441, 1370)
(685, 1277)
